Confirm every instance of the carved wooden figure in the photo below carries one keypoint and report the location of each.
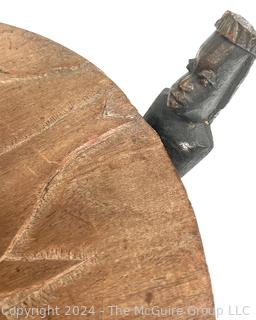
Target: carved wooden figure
(182, 115)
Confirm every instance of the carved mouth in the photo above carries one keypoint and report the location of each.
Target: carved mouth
(177, 97)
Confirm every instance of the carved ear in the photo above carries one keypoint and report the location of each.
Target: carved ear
(210, 75)
(191, 65)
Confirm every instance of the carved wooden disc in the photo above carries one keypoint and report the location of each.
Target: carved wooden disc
(92, 212)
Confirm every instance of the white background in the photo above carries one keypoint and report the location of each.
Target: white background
(144, 47)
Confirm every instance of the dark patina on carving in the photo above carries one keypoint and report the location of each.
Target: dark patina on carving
(182, 115)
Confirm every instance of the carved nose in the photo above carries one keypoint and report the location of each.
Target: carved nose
(186, 85)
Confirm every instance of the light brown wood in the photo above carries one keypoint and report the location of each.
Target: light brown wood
(92, 212)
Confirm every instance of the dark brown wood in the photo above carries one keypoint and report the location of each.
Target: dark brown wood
(92, 212)
(182, 115)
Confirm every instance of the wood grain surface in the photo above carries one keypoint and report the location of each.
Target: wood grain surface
(92, 212)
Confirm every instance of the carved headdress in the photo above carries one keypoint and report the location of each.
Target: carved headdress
(237, 30)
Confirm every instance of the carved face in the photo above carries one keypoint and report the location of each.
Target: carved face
(212, 79)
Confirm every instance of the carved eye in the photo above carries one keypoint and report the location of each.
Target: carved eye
(207, 77)
(204, 82)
